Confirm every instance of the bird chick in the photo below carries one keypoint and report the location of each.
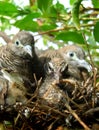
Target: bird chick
(14, 56)
(49, 90)
(35, 64)
(19, 56)
(68, 62)
(26, 39)
(55, 62)
(75, 59)
(16, 90)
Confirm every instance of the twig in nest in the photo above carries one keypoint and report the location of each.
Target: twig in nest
(26, 127)
(16, 120)
(93, 69)
(51, 125)
(92, 111)
(94, 85)
(70, 81)
(48, 108)
(35, 79)
(76, 117)
(72, 111)
(36, 91)
(88, 85)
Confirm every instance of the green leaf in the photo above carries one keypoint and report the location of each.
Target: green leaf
(71, 2)
(44, 5)
(47, 27)
(30, 26)
(27, 23)
(75, 13)
(70, 36)
(95, 3)
(96, 32)
(60, 8)
(5, 23)
(53, 12)
(7, 9)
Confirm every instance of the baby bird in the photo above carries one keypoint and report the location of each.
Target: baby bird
(35, 66)
(78, 67)
(15, 56)
(54, 65)
(19, 56)
(67, 63)
(16, 91)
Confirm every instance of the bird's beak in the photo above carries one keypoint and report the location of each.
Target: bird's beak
(28, 49)
(84, 64)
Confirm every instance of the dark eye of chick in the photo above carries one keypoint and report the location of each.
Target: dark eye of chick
(71, 54)
(17, 43)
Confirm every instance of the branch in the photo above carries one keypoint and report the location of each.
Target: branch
(63, 28)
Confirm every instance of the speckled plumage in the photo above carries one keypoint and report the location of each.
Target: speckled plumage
(60, 65)
(36, 66)
(3, 89)
(54, 64)
(17, 59)
(12, 88)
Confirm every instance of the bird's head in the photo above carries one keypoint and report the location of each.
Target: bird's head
(25, 41)
(55, 68)
(75, 56)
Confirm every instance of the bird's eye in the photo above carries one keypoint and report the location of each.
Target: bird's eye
(17, 42)
(71, 54)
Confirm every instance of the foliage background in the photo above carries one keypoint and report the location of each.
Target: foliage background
(56, 23)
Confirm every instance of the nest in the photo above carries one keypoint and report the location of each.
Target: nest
(79, 108)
